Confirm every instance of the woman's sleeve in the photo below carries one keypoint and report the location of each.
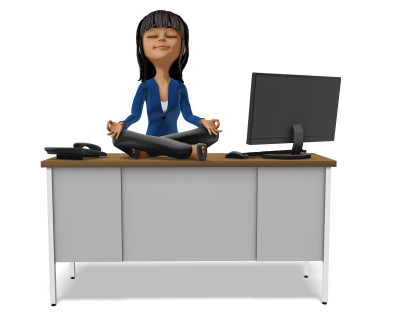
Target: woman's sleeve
(186, 110)
(137, 107)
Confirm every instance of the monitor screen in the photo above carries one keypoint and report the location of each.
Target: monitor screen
(278, 101)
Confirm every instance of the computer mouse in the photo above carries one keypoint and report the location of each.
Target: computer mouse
(236, 155)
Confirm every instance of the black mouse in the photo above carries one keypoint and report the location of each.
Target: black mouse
(236, 155)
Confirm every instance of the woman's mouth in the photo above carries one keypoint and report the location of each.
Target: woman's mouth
(162, 47)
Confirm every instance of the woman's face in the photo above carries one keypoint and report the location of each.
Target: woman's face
(162, 45)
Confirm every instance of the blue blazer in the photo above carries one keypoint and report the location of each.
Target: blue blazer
(159, 123)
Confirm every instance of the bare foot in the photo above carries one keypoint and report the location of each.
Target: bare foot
(194, 152)
(143, 154)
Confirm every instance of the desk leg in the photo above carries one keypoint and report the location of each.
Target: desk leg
(325, 262)
(305, 269)
(53, 293)
(72, 270)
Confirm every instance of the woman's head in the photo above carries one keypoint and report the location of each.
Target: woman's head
(171, 26)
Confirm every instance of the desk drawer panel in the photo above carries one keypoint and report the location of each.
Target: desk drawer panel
(184, 214)
(290, 221)
(87, 214)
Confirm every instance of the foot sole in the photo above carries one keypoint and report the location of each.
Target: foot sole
(200, 155)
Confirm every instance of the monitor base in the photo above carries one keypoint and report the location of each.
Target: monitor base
(297, 151)
(289, 155)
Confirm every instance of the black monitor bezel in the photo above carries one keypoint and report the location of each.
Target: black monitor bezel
(252, 141)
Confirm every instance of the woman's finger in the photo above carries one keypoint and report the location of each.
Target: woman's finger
(208, 129)
(109, 133)
(118, 133)
(215, 121)
(109, 125)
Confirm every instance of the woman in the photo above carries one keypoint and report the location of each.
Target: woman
(162, 40)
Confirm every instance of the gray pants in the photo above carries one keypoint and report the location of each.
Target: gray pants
(177, 145)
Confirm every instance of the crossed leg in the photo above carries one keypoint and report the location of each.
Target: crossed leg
(178, 145)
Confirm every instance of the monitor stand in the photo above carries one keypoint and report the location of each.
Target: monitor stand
(296, 152)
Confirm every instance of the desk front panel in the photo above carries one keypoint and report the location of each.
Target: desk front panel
(189, 214)
(290, 214)
(87, 214)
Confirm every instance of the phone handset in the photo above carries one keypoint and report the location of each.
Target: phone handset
(85, 144)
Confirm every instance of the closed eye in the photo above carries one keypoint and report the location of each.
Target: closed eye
(172, 36)
(151, 37)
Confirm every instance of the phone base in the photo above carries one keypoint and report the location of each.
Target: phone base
(71, 157)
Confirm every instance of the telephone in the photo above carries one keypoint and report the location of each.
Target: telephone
(77, 152)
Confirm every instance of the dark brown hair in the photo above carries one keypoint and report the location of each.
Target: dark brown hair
(158, 19)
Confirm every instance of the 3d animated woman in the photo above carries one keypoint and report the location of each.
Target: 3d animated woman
(162, 41)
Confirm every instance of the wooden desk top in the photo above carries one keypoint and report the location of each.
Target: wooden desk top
(213, 160)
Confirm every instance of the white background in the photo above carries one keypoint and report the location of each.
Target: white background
(66, 67)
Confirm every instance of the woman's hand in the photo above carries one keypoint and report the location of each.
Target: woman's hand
(115, 128)
(211, 125)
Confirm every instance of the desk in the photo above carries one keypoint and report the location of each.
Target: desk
(115, 209)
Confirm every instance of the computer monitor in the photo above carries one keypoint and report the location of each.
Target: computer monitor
(292, 108)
